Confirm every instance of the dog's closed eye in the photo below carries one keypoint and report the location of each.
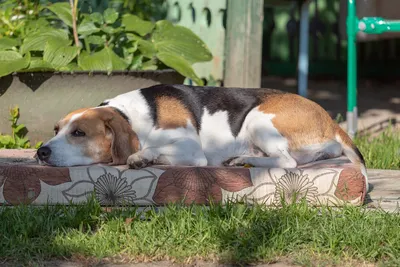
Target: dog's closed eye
(56, 129)
(78, 133)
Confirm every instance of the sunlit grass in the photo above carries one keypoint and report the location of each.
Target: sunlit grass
(382, 151)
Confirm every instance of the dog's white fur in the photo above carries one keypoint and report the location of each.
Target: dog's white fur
(212, 146)
(258, 143)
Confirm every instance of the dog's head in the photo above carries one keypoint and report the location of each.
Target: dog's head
(89, 136)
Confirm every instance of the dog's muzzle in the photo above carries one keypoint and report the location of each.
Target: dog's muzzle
(43, 153)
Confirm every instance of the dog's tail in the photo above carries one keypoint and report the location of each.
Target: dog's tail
(351, 151)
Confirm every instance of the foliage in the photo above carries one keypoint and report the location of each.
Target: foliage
(18, 138)
(145, 9)
(107, 41)
(15, 16)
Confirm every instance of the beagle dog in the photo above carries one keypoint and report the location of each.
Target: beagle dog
(199, 126)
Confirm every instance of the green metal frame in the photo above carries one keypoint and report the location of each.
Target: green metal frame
(368, 25)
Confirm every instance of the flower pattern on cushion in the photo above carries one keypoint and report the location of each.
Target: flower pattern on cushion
(22, 183)
(293, 187)
(112, 187)
(112, 190)
(199, 185)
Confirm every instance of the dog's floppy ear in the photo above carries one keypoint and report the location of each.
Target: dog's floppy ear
(124, 140)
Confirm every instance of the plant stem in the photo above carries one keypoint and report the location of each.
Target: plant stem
(74, 7)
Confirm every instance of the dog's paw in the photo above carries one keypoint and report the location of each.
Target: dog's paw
(135, 161)
(232, 162)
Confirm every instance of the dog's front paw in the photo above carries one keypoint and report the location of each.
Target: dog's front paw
(238, 161)
(136, 161)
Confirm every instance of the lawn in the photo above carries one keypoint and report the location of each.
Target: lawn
(382, 151)
(234, 233)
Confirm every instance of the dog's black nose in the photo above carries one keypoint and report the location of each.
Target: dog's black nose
(44, 153)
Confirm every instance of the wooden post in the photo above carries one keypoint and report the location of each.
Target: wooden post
(243, 56)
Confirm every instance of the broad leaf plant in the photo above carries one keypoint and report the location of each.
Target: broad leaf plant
(63, 39)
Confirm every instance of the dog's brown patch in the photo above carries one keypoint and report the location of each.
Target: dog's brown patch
(96, 143)
(108, 136)
(302, 121)
(172, 113)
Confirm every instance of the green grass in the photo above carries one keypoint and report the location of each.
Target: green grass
(382, 151)
(235, 234)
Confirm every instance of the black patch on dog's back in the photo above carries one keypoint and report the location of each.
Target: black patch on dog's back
(237, 102)
(123, 115)
(187, 97)
(104, 103)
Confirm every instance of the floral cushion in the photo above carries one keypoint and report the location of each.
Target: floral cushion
(330, 182)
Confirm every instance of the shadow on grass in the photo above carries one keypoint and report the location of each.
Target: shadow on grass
(233, 234)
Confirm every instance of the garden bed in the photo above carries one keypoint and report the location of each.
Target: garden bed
(45, 97)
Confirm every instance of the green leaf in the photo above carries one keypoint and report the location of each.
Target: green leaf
(150, 64)
(134, 47)
(87, 27)
(180, 65)
(96, 61)
(19, 128)
(38, 144)
(71, 67)
(147, 48)
(39, 64)
(59, 56)
(37, 42)
(137, 63)
(9, 55)
(14, 112)
(16, 64)
(35, 25)
(117, 62)
(97, 17)
(104, 60)
(133, 37)
(63, 12)
(127, 56)
(8, 43)
(135, 24)
(110, 15)
(96, 40)
(181, 41)
(5, 139)
(21, 142)
(27, 145)
(108, 29)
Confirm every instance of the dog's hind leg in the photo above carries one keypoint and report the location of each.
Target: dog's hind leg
(267, 138)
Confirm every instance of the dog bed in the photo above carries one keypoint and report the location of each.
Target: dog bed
(333, 182)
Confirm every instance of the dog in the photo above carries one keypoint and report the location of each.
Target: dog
(199, 126)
